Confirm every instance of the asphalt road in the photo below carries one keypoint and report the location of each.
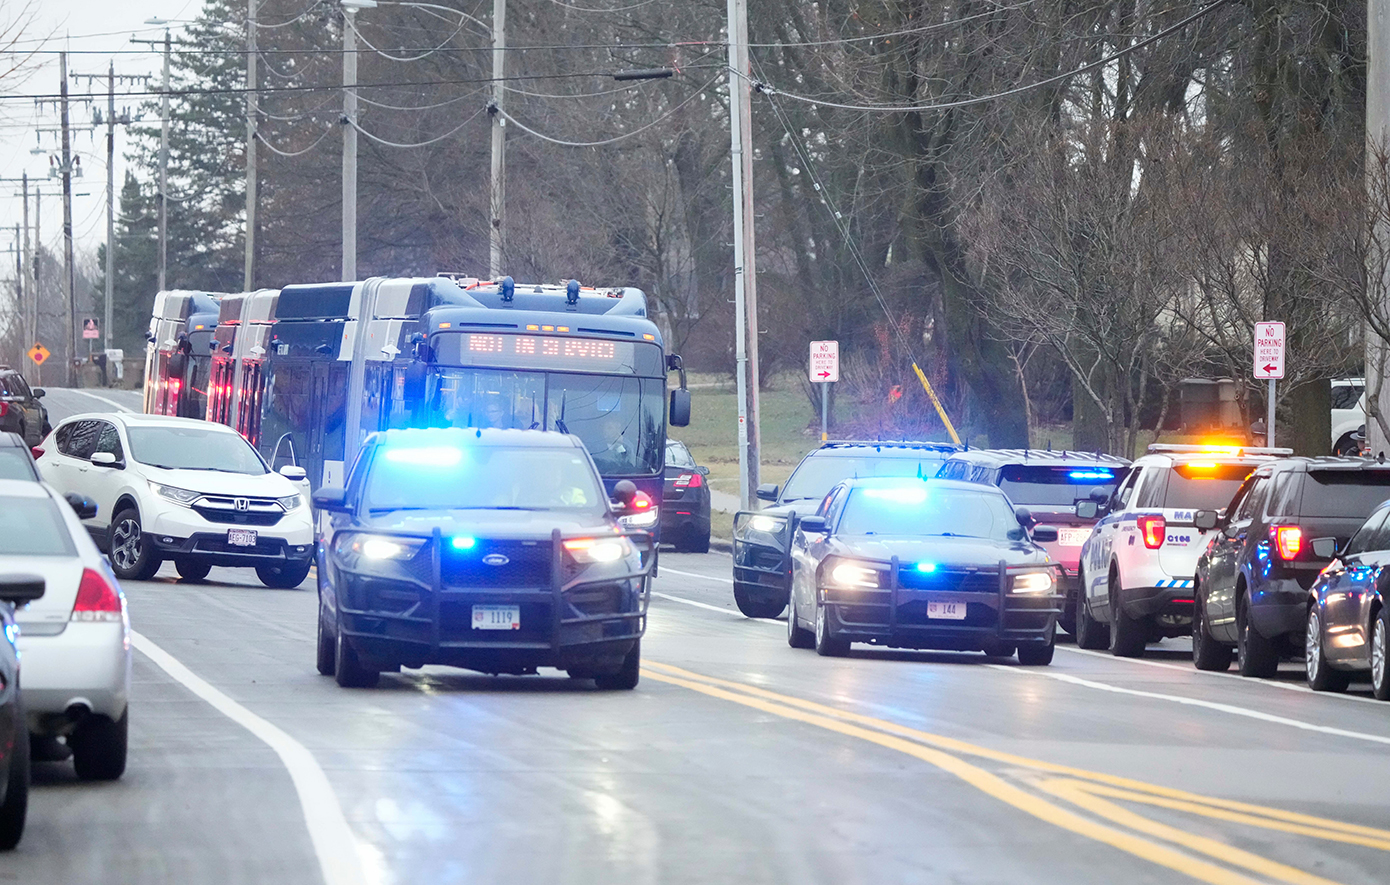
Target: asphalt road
(737, 759)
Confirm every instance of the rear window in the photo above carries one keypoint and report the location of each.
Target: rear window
(1346, 396)
(678, 455)
(33, 527)
(15, 464)
(1346, 493)
(818, 474)
(1056, 486)
(1201, 485)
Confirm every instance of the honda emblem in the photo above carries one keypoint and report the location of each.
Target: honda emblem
(242, 503)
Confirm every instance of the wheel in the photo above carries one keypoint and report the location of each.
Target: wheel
(327, 653)
(1380, 679)
(828, 646)
(700, 544)
(284, 577)
(1067, 619)
(131, 558)
(1127, 634)
(192, 571)
(754, 602)
(349, 671)
(1207, 653)
(997, 649)
(16, 806)
(1347, 445)
(99, 747)
(625, 679)
(798, 636)
(1321, 675)
(1255, 655)
(1090, 633)
(1036, 654)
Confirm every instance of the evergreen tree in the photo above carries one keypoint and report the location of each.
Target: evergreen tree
(136, 258)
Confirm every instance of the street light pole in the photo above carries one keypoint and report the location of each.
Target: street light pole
(499, 138)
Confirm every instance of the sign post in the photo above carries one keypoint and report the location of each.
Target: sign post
(1269, 365)
(825, 370)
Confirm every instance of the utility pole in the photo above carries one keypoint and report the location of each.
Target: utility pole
(164, 170)
(499, 138)
(1377, 132)
(249, 279)
(110, 203)
(350, 8)
(69, 270)
(745, 254)
(28, 264)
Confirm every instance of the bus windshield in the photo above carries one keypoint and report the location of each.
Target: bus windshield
(620, 419)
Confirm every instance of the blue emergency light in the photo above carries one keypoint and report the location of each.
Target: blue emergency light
(1094, 475)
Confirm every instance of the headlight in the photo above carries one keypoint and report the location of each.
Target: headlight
(377, 547)
(178, 496)
(1032, 582)
(290, 502)
(639, 520)
(769, 524)
(852, 574)
(591, 550)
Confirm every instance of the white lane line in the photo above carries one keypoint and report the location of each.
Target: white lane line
(334, 843)
(1302, 689)
(109, 402)
(1193, 702)
(695, 575)
(714, 608)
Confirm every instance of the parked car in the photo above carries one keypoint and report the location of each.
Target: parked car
(1254, 577)
(20, 409)
(912, 563)
(685, 501)
(16, 460)
(16, 588)
(1348, 619)
(182, 489)
(75, 640)
(762, 538)
(1348, 415)
(1049, 484)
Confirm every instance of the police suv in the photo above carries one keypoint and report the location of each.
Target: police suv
(1137, 566)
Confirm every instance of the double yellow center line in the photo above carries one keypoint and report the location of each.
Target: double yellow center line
(1071, 798)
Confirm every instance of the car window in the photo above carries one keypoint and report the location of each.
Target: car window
(1126, 490)
(1368, 534)
(482, 478)
(15, 463)
(194, 447)
(677, 455)
(1345, 493)
(926, 511)
(1283, 497)
(19, 387)
(1046, 486)
(1346, 396)
(82, 441)
(835, 505)
(33, 527)
(5, 385)
(1254, 500)
(109, 441)
(1203, 485)
(817, 474)
(61, 437)
(1150, 491)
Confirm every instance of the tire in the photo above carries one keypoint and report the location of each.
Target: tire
(1321, 675)
(828, 646)
(626, 677)
(797, 636)
(1207, 653)
(1067, 619)
(1128, 635)
(752, 606)
(284, 577)
(995, 648)
(327, 648)
(1090, 633)
(700, 544)
(1256, 656)
(348, 670)
(1380, 638)
(1037, 654)
(99, 747)
(16, 805)
(1346, 446)
(189, 570)
(131, 558)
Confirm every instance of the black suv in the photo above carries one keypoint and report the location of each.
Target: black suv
(1254, 578)
(20, 409)
(14, 733)
(495, 550)
(762, 538)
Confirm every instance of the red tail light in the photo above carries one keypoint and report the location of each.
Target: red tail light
(642, 501)
(689, 481)
(1152, 528)
(1288, 540)
(4, 409)
(97, 599)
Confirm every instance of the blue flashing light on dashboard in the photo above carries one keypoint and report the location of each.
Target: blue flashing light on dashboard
(1101, 475)
(426, 456)
(926, 567)
(463, 542)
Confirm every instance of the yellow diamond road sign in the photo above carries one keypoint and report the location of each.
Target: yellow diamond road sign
(38, 353)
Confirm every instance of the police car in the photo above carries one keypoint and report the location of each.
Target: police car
(1137, 566)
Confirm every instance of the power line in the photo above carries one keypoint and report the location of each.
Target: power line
(404, 58)
(936, 26)
(438, 138)
(275, 150)
(542, 136)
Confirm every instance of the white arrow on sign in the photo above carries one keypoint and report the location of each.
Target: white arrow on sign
(825, 361)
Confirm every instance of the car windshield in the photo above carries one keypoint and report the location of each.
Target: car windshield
(482, 478)
(1201, 485)
(927, 510)
(677, 455)
(190, 447)
(1346, 493)
(1056, 486)
(817, 474)
(15, 463)
(33, 527)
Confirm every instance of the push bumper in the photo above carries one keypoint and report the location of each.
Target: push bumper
(763, 566)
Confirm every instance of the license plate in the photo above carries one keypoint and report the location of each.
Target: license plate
(496, 617)
(1072, 537)
(241, 538)
(949, 611)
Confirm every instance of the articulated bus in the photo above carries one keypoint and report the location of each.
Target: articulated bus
(313, 369)
(178, 353)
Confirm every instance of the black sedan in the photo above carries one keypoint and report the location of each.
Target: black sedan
(923, 564)
(685, 501)
(494, 550)
(14, 733)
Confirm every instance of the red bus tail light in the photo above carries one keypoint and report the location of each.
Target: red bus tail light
(1153, 529)
(1288, 541)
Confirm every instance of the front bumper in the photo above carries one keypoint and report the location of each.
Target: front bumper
(213, 549)
(567, 621)
(88, 664)
(896, 616)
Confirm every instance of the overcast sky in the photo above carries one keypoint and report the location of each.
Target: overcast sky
(95, 33)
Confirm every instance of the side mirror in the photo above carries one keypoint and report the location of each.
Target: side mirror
(704, 471)
(84, 507)
(679, 413)
(331, 499)
(21, 588)
(1024, 518)
(1045, 534)
(767, 491)
(38, 392)
(624, 492)
(1087, 509)
(1205, 520)
(1325, 548)
(105, 459)
(815, 525)
(293, 473)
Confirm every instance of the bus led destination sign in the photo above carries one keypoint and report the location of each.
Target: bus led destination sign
(542, 352)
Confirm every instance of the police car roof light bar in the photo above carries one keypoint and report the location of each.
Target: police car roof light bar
(1215, 449)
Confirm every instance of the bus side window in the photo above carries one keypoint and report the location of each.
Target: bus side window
(373, 394)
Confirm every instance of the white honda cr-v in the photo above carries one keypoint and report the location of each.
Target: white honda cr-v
(185, 490)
